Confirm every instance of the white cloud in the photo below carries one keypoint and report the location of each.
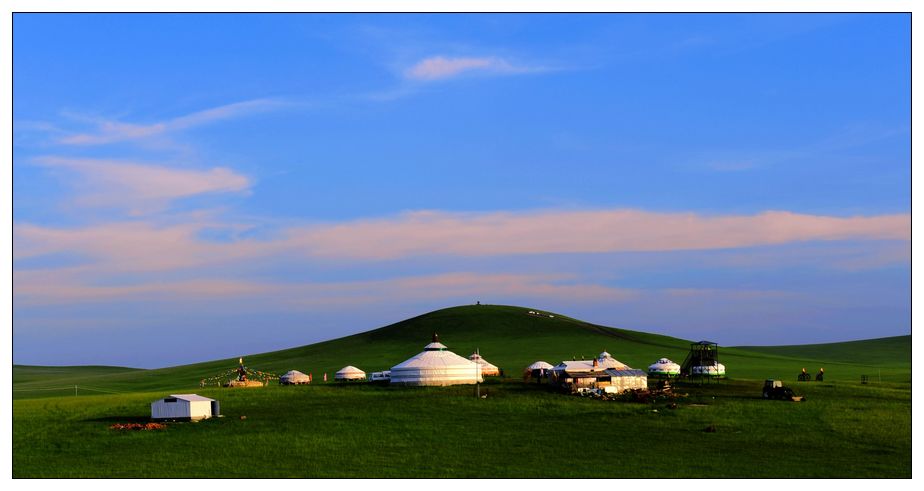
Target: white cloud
(439, 67)
(109, 131)
(142, 187)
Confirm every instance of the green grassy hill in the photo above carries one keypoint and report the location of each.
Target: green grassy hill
(507, 336)
(892, 351)
(520, 430)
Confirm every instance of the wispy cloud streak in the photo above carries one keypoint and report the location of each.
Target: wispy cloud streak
(441, 233)
(441, 68)
(142, 186)
(109, 131)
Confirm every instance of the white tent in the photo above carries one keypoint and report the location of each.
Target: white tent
(184, 407)
(537, 370)
(436, 365)
(350, 372)
(664, 368)
(539, 365)
(487, 369)
(294, 377)
(715, 370)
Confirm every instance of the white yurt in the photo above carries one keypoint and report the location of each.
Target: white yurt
(537, 370)
(715, 370)
(606, 360)
(436, 365)
(349, 373)
(294, 377)
(664, 367)
(487, 369)
(184, 407)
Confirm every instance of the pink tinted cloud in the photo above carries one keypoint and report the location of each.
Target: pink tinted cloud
(146, 246)
(63, 287)
(135, 246)
(442, 233)
(439, 67)
(108, 131)
(131, 184)
(74, 285)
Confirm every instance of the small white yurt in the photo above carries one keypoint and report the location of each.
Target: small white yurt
(294, 377)
(184, 407)
(487, 369)
(664, 368)
(436, 365)
(537, 370)
(350, 373)
(715, 370)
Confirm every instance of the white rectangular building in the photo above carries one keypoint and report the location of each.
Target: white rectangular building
(184, 407)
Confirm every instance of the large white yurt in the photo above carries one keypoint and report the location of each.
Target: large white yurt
(664, 367)
(294, 377)
(487, 369)
(436, 365)
(349, 373)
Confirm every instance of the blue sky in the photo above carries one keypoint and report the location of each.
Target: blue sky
(252, 182)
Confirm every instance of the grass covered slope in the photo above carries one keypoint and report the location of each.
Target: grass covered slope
(508, 337)
(519, 430)
(892, 351)
(35, 373)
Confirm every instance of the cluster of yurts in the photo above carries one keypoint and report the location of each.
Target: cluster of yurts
(437, 366)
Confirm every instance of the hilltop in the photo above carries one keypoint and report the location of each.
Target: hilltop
(508, 336)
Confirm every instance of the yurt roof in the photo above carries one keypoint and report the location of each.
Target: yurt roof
(434, 359)
(539, 365)
(664, 362)
(349, 369)
(294, 373)
(481, 361)
(434, 355)
(604, 355)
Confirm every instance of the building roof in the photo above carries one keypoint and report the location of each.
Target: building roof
(190, 397)
(588, 365)
(631, 372)
(597, 374)
(539, 365)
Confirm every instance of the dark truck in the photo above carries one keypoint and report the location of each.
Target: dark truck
(773, 389)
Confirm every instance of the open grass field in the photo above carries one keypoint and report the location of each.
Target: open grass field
(844, 429)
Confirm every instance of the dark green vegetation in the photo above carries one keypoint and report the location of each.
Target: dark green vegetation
(520, 430)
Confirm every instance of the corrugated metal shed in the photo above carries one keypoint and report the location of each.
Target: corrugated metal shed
(191, 407)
